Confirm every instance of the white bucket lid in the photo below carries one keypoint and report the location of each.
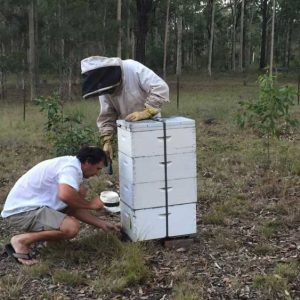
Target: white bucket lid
(111, 201)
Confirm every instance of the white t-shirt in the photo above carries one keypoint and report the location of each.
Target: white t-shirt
(39, 186)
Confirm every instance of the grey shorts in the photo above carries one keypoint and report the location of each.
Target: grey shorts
(40, 219)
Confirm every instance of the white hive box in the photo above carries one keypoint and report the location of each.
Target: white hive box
(153, 158)
(152, 194)
(148, 224)
(152, 168)
(146, 138)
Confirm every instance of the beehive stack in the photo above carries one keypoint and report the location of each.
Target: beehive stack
(158, 183)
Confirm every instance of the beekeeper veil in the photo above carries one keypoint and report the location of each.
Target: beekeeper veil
(100, 75)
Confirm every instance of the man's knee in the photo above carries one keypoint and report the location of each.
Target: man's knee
(70, 227)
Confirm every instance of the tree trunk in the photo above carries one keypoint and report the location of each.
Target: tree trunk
(248, 54)
(119, 13)
(61, 48)
(264, 12)
(212, 24)
(179, 43)
(289, 45)
(128, 30)
(241, 36)
(2, 74)
(233, 35)
(103, 48)
(143, 10)
(272, 39)
(132, 45)
(32, 49)
(179, 51)
(166, 40)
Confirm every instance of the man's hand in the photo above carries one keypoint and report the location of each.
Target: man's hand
(96, 203)
(147, 113)
(107, 227)
(108, 146)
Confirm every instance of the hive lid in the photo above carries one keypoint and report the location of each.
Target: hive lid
(155, 124)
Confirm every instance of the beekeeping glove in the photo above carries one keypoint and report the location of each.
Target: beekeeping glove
(147, 113)
(107, 141)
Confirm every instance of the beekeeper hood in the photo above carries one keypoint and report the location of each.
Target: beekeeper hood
(100, 75)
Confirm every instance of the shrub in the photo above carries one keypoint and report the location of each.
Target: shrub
(67, 133)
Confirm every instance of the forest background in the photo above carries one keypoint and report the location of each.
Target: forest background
(43, 40)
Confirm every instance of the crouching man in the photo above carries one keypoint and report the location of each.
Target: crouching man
(48, 202)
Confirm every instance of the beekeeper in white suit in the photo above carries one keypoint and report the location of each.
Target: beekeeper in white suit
(127, 90)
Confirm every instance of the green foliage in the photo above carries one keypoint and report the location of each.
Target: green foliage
(54, 109)
(270, 113)
(68, 133)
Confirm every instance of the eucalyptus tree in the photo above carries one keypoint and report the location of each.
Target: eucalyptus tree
(32, 48)
(264, 13)
(14, 33)
(144, 8)
(287, 27)
(211, 35)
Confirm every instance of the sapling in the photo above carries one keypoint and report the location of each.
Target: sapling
(67, 132)
(270, 113)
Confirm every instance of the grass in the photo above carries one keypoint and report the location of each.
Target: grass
(186, 292)
(11, 287)
(276, 284)
(126, 269)
(268, 228)
(184, 289)
(39, 270)
(273, 286)
(263, 249)
(223, 210)
(71, 278)
(289, 270)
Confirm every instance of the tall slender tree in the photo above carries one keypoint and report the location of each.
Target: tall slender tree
(272, 38)
(264, 13)
(211, 38)
(166, 40)
(119, 13)
(143, 10)
(32, 48)
(241, 36)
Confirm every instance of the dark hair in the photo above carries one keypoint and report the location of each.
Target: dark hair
(92, 155)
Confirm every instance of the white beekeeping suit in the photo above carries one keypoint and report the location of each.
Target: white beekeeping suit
(127, 90)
